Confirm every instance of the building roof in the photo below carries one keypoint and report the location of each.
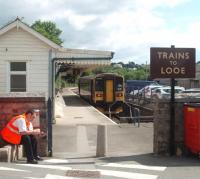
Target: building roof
(61, 52)
(17, 23)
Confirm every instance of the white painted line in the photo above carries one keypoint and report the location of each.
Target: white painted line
(49, 176)
(56, 161)
(54, 167)
(127, 175)
(136, 166)
(13, 169)
(104, 116)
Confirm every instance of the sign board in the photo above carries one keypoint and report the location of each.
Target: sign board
(172, 62)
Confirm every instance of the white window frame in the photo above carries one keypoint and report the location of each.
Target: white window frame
(17, 73)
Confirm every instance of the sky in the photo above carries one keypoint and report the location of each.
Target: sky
(127, 27)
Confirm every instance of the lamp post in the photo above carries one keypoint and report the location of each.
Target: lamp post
(146, 71)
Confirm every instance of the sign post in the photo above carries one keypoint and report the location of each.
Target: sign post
(172, 115)
(172, 63)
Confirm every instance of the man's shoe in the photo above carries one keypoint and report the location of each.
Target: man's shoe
(38, 158)
(32, 162)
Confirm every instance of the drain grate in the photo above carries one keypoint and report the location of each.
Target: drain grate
(83, 173)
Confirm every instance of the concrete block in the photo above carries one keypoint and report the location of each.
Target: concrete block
(5, 154)
(2, 142)
(10, 153)
(101, 149)
(13, 153)
(20, 152)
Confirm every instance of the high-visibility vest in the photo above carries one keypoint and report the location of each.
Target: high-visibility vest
(11, 133)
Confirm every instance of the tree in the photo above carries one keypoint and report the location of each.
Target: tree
(130, 71)
(49, 30)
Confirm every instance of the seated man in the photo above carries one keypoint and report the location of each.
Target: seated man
(19, 130)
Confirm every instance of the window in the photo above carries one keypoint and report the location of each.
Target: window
(119, 84)
(99, 84)
(18, 76)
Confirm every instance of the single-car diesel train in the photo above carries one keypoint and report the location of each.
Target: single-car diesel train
(105, 91)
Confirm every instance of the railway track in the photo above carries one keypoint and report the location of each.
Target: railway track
(133, 113)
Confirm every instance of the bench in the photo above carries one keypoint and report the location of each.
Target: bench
(10, 153)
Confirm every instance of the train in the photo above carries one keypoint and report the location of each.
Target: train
(105, 91)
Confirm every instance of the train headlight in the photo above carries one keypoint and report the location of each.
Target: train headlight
(119, 94)
(99, 95)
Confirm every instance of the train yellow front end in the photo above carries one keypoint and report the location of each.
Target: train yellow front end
(106, 92)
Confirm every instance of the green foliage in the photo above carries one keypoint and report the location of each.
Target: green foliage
(135, 72)
(49, 30)
(139, 73)
(87, 73)
(60, 83)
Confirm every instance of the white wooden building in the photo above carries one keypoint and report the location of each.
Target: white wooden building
(27, 59)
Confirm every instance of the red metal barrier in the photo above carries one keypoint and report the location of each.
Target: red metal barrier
(192, 127)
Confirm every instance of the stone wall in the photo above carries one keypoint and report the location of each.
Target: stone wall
(12, 106)
(162, 126)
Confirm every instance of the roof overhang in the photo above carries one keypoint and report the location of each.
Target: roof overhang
(83, 62)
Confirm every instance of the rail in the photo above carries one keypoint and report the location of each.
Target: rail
(109, 109)
(138, 117)
(134, 114)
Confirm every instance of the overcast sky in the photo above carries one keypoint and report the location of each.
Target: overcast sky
(127, 27)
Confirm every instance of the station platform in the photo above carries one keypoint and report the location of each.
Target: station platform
(75, 130)
(76, 111)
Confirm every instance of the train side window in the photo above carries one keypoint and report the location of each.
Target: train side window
(99, 85)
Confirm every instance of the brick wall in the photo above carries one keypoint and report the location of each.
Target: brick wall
(162, 126)
(12, 106)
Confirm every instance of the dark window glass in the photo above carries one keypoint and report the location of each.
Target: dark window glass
(18, 66)
(99, 85)
(85, 86)
(17, 83)
(119, 84)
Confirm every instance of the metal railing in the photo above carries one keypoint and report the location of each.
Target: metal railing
(139, 98)
(134, 115)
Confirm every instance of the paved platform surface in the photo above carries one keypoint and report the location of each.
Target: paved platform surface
(129, 152)
(75, 134)
(76, 111)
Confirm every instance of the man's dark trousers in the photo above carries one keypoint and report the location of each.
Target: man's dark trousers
(30, 145)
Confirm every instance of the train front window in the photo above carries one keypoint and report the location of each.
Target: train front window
(119, 85)
(99, 85)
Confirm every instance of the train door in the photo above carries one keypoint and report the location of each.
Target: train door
(109, 91)
(92, 90)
